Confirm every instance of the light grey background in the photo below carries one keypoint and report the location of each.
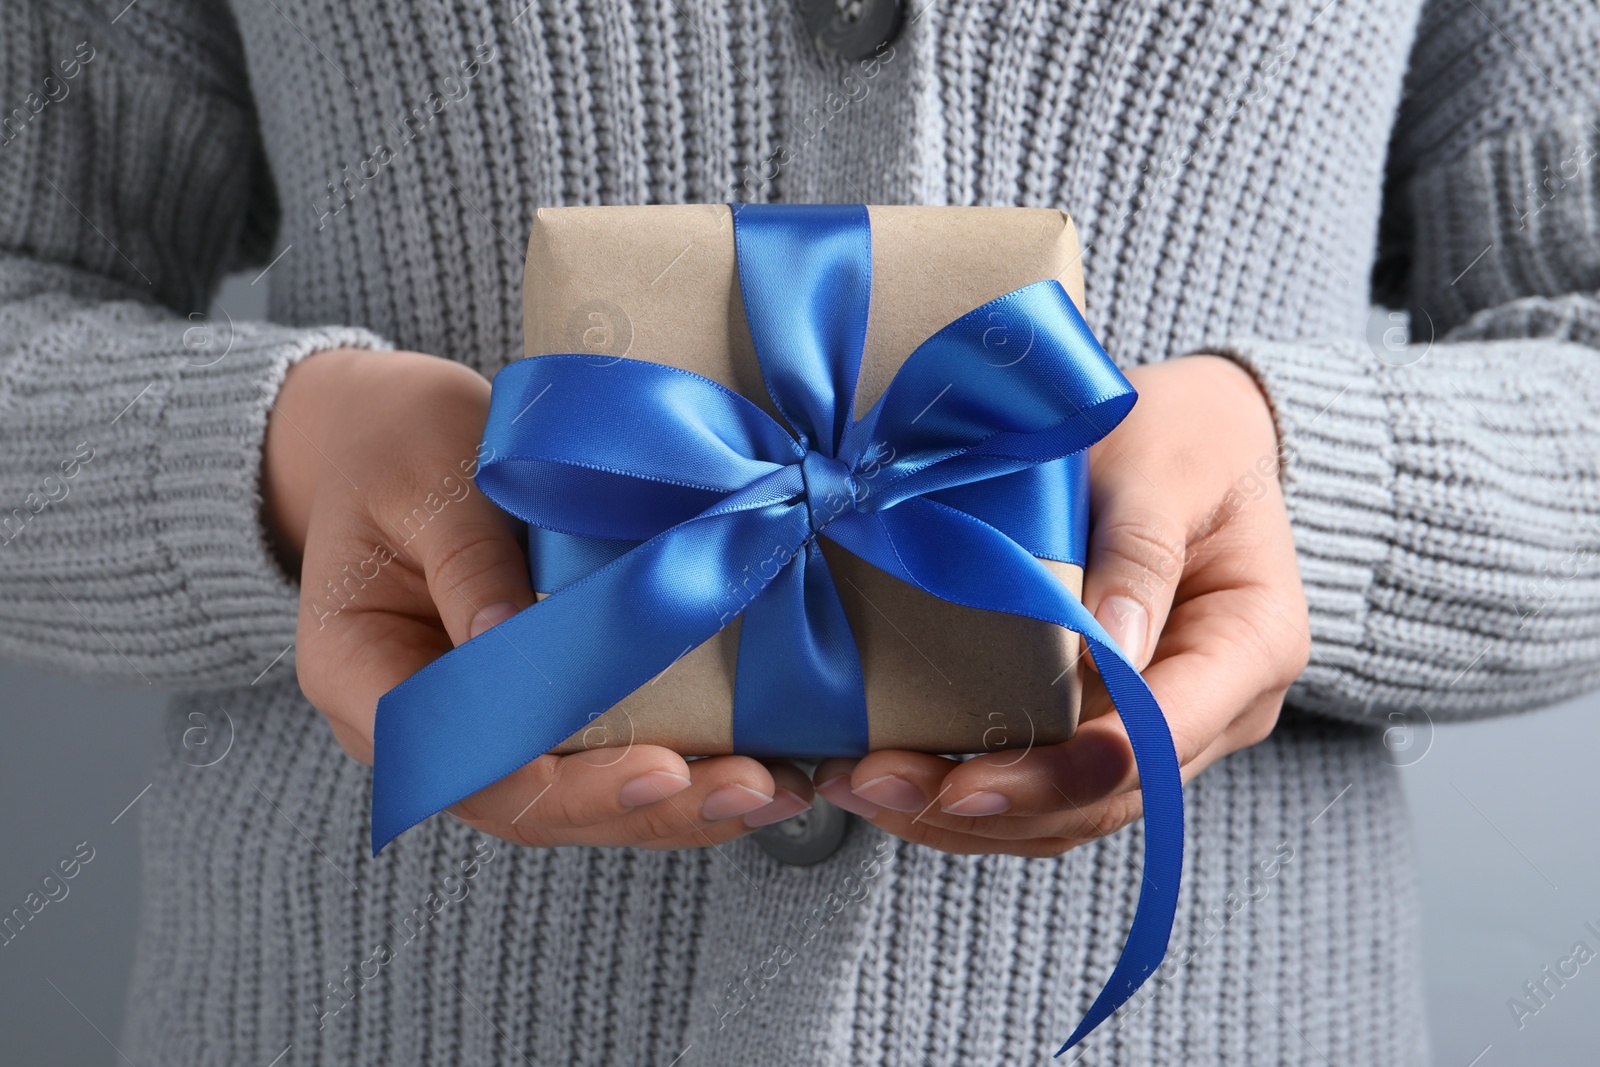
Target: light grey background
(1502, 813)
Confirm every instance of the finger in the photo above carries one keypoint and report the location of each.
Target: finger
(477, 575)
(556, 793)
(354, 642)
(928, 776)
(891, 788)
(711, 811)
(433, 513)
(831, 780)
(642, 795)
(793, 794)
(1251, 728)
(1136, 557)
(896, 789)
(364, 625)
(892, 779)
(1216, 667)
(916, 788)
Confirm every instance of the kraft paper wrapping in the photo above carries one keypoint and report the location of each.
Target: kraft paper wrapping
(661, 284)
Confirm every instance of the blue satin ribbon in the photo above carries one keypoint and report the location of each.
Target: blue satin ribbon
(662, 505)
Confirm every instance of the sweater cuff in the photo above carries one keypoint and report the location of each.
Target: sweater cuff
(205, 472)
(1336, 440)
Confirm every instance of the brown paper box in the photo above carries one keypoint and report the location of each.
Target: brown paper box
(661, 284)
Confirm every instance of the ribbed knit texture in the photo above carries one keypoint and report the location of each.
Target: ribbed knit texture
(1239, 172)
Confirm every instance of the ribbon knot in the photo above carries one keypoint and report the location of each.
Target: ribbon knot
(830, 489)
(661, 505)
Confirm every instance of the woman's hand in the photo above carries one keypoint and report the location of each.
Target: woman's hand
(368, 480)
(1192, 571)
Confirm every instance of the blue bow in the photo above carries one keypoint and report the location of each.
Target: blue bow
(649, 489)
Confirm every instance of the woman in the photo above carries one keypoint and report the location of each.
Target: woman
(1297, 488)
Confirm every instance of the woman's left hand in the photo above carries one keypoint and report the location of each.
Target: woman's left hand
(1192, 571)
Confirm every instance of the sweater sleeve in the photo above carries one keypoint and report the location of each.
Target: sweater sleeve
(132, 546)
(1445, 492)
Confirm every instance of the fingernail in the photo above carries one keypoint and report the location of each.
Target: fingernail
(786, 805)
(837, 791)
(897, 794)
(649, 788)
(732, 800)
(493, 615)
(980, 803)
(1129, 626)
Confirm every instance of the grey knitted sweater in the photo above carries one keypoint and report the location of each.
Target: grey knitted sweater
(1246, 177)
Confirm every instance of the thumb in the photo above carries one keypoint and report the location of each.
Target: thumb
(1136, 557)
(476, 572)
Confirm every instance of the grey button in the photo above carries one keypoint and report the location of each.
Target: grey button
(854, 29)
(807, 838)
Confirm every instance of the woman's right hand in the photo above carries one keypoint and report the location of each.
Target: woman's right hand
(367, 477)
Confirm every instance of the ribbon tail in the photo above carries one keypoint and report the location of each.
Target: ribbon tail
(1161, 787)
(501, 700)
(933, 546)
(799, 690)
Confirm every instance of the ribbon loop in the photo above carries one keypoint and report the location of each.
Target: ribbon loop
(805, 274)
(662, 505)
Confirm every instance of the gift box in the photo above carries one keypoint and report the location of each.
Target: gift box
(798, 480)
(662, 284)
